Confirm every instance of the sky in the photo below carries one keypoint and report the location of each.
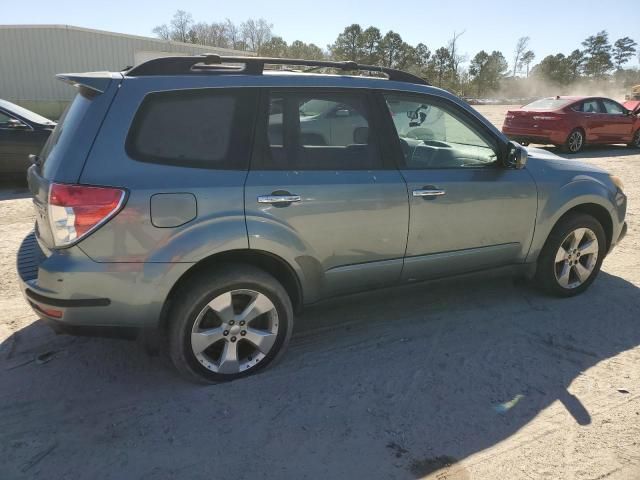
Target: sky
(554, 26)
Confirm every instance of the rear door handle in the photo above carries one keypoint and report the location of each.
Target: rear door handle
(278, 199)
(428, 193)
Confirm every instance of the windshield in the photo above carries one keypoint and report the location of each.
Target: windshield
(24, 113)
(548, 104)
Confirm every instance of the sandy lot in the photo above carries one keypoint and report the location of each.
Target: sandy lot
(481, 378)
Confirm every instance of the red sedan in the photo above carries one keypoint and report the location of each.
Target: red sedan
(573, 122)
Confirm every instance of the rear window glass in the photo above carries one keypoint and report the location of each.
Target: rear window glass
(61, 138)
(188, 128)
(547, 104)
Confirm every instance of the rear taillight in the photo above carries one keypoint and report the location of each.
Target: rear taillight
(77, 210)
(546, 117)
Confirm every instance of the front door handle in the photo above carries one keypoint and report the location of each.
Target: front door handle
(428, 193)
(278, 199)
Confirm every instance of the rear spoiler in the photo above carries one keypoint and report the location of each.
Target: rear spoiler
(95, 81)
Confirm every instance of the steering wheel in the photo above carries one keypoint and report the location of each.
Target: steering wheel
(421, 133)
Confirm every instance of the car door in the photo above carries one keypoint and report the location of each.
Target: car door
(618, 125)
(17, 141)
(334, 206)
(589, 114)
(467, 212)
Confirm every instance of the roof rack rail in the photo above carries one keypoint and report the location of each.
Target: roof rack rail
(211, 63)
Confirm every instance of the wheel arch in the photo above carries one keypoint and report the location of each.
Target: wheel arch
(270, 263)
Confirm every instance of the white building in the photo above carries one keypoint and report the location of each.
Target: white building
(31, 56)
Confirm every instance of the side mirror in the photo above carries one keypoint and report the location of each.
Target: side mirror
(516, 156)
(14, 123)
(343, 112)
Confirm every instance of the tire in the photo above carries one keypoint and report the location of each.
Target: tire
(575, 141)
(563, 275)
(212, 306)
(635, 143)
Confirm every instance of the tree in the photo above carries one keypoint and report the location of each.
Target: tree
(527, 59)
(255, 33)
(623, 50)
(441, 63)
(574, 65)
(598, 55)
(232, 33)
(391, 49)
(275, 47)
(180, 26)
(488, 70)
(553, 68)
(454, 57)
(521, 47)
(370, 45)
(348, 45)
(162, 32)
(308, 51)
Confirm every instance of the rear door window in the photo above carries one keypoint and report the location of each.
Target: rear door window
(208, 128)
(588, 106)
(321, 131)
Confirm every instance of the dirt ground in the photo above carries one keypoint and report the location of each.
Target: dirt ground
(479, 378)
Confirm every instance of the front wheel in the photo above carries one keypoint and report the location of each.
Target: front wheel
(571, 258)
(635, 142)
(574, 142)
(229, 324)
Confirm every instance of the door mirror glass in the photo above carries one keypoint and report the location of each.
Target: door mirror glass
(517, 156)
(15, 124)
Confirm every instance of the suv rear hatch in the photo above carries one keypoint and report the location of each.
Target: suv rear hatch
(63, 156)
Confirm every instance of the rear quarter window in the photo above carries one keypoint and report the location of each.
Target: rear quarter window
(192, 128)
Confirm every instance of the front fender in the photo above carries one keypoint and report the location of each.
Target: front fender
(556, 202)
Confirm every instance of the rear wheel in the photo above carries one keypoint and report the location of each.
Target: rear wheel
(229, 324)
(571, 258)
(635, 143)
(575, 141)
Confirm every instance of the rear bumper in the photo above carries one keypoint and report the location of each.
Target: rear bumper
(68, 288)
(535, 135)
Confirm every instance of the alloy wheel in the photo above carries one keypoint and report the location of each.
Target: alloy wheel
(235, 331)
(576, 258)
(575, 141)
(636, 139)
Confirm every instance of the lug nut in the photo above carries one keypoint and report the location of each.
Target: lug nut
(225, 333)
(243, 333)
(233, 339)
(232, 322)
(241, 323)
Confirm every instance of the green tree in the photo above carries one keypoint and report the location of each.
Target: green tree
(521, 47)
(623, 49)
(574, 64)
(597, 51)
(487, 70)
(441, 64)
(348, 45)
(307, 51)
(370, 44)
(527, 59)
(275, 47)
(391, 49)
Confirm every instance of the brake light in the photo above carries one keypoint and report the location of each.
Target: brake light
(77, 210)
(546, 117)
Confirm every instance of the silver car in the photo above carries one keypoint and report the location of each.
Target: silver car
(202, 201)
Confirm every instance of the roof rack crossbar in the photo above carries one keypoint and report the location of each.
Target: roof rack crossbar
(254, 66)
